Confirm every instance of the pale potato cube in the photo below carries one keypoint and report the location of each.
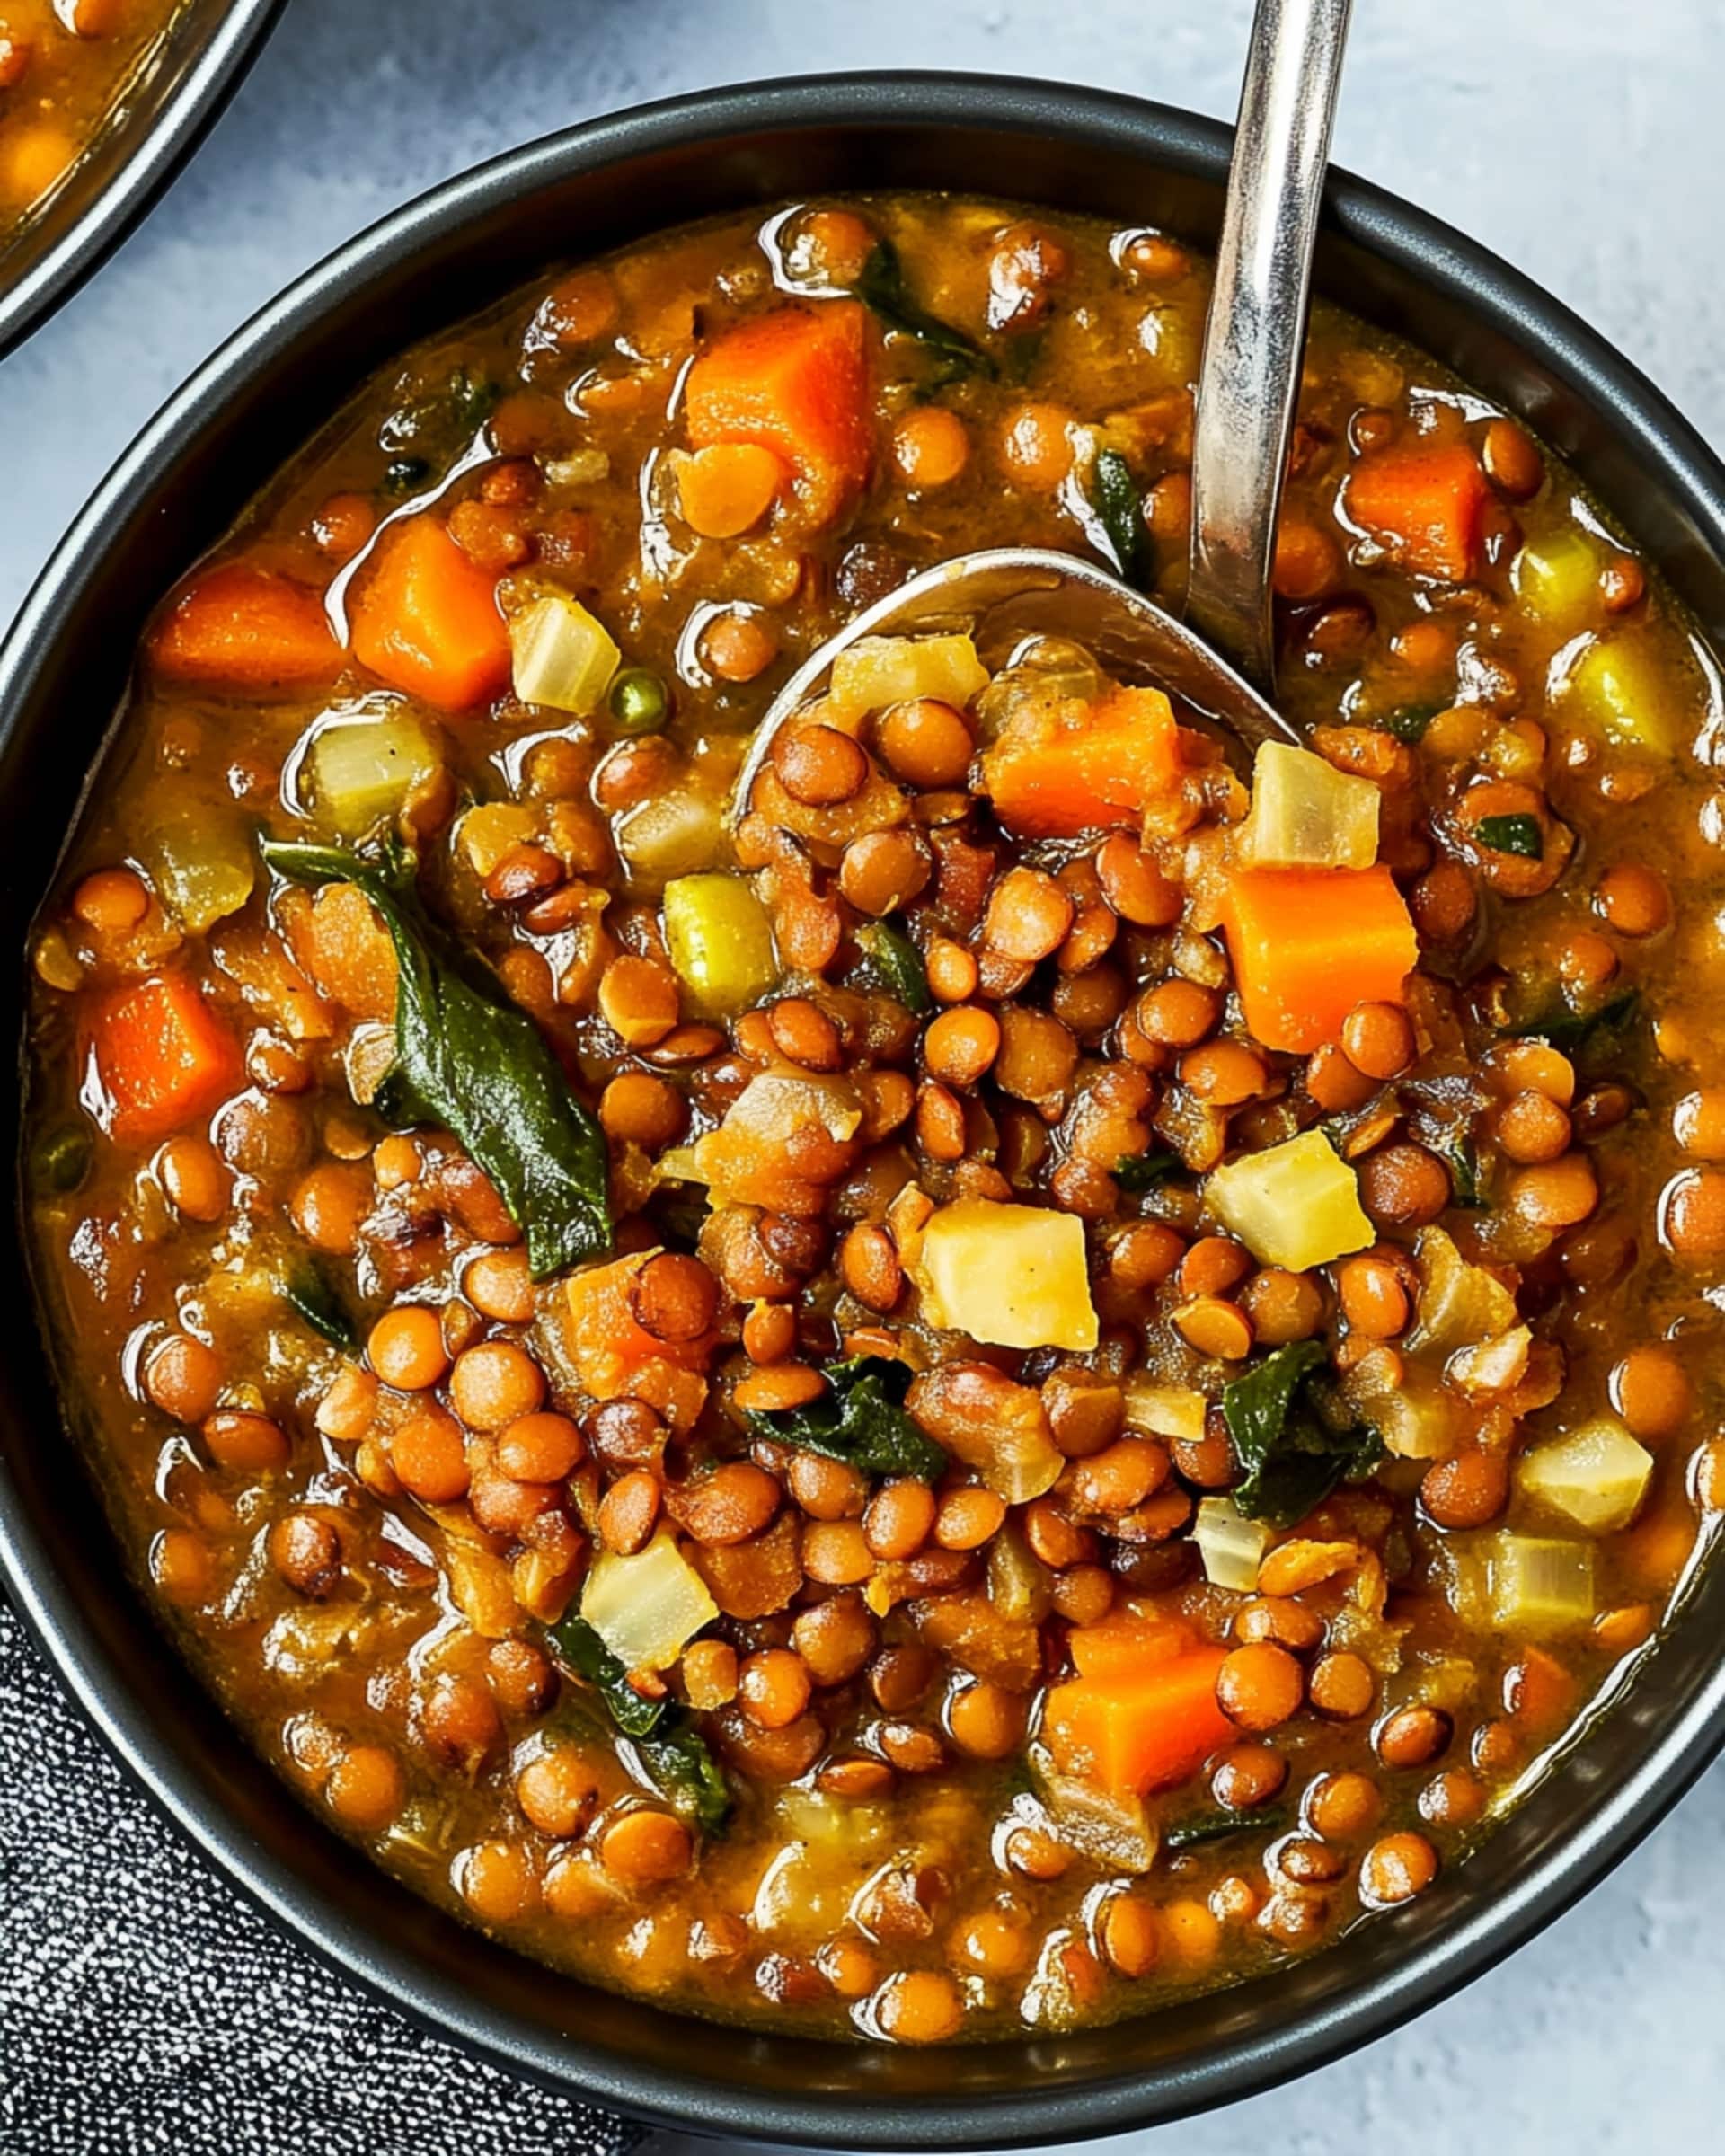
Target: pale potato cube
(1305, 814)
(1296, 1205)
(648, 1607)
(880, 671)
(1011, 1276)
(1596, 1476)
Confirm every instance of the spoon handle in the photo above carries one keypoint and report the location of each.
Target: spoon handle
(1256, 333)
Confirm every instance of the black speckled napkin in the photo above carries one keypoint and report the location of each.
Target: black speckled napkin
(146, 2011)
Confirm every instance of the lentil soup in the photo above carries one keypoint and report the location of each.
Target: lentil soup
(1031, 1381)
(66, 65)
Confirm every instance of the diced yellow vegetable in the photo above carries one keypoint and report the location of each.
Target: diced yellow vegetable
(202, 861)
(648, 1607)
(1556, 579)
(1011, 1276)
(1618, 685)
(878, 671)
(719, 940)
(359, 770)
(1163, 1410)
(1537, 1585)
(1308, 814)
(564, 659)
(1405, 1402)
(1458, 1302)
(493, 829)
(1596, 1476)
(1296, 1204)
(675, 834)
(1231, 1545)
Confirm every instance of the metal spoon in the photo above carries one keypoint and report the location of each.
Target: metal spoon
(1221, 659)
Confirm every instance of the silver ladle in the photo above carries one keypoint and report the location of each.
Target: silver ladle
(1221, 658)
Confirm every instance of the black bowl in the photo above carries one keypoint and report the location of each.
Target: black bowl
(167, 112)
(61, 676)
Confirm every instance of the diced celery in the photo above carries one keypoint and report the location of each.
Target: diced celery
(1618, 685)
(719, 940)
(1163, 1410)
(359, 771)
(563, 658)
(1458, 1302)
(202, 861)
(1537, 1584)
(1231, 1545)
(675, 834)
(1596, 1476)
(1556, 579)
(1296, 1204)
(646, 1607)
(1011, 1276)
(878, 671)
(1308, 814)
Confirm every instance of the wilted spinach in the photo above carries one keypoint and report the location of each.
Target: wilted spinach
(673, 1750)
(468, 1058)
(892, 962)
(1118, 503)
(881, 287)
(1571, 1031)
(1138, 1172)
(1291, 1435)
(1199, 1827)
(860, 1420)
(309, 1290)
(1408, 722)
(1512, 835)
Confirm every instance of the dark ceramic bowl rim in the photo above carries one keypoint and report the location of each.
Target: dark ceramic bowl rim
(1432, 254)
(149, 149)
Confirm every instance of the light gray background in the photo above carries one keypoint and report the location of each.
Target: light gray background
(1582, 138)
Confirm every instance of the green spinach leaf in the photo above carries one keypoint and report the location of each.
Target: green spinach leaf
(441, 420)
(1199, 1827)
(469, 1059)
(1512, 835)
(1571, 1031)
(1291, 1439)
(673, 1750)
(1118, 503)
(892, 962)
(309, 1290)
(881, 287)
(861, 1419)
(1408, 722)
(1138, 1172)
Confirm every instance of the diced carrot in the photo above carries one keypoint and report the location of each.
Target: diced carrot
(426, 620)
(1424, 505)
(1308, 944)
(606, 1341)
(1058, 770)
(795, 381)
(237, 626)
(1149, 1729)
(725, 488)
(346, 951)
(157, 1057)
(1121, 1646)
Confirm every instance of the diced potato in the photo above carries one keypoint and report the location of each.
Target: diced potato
(564, 659)
(719, 940)
(878, 671)
(675, 834)
(1458, 1302)
(1231, 1545)
(1537, 1584)
(1011, 1276)
(1618, 685)
(1296, 1205)
(1556, 579)
(359, 770)
(648, 1607)
(203, 864)
(1308, 814)
(1596, 1477)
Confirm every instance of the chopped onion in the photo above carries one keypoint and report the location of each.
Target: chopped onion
(1458, 1302)
(359, 769)
(878, 671)
(1164, 1410)
(563, 658)
(1305, 814)
(1535, 1584)
(678, 833)
(648, 1607)
(1596, 1477)
(1492, 1365)
(1296, 1204)
(1405, 1403)
(1231, 1545)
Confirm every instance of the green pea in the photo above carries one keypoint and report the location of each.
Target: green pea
(639, 701)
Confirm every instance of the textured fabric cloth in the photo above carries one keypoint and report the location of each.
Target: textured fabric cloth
(146, 2011)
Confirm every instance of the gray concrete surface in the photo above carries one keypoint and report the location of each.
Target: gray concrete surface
(1582, 138)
